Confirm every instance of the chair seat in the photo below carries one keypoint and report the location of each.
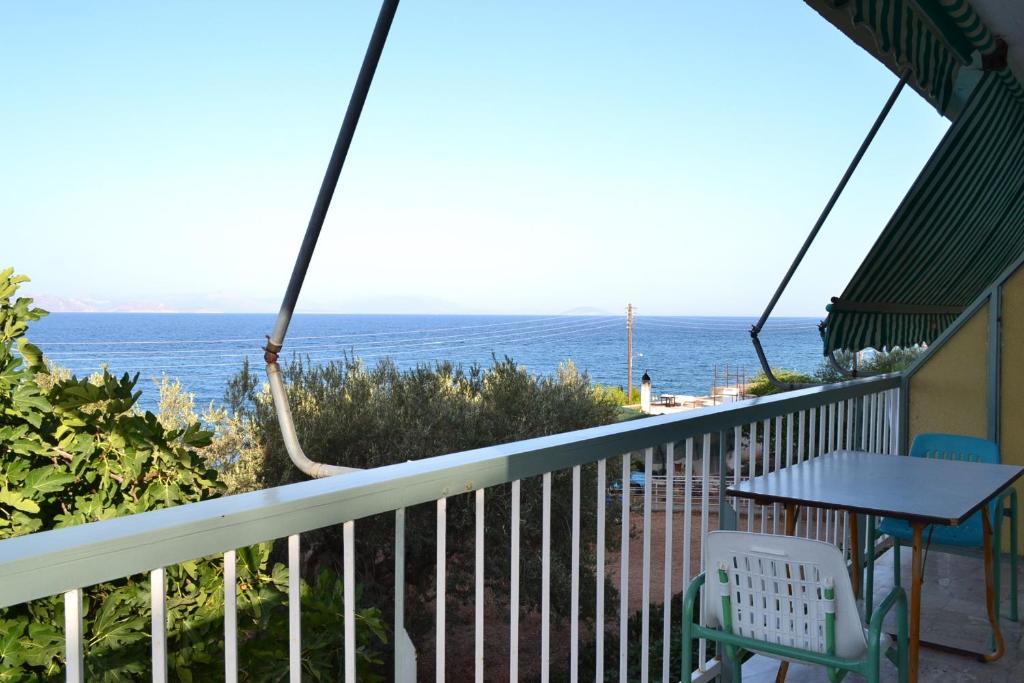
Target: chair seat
(966, 535)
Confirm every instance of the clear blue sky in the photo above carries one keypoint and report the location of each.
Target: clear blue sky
(513, 157)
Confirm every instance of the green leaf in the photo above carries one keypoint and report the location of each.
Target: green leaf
(47, 480)
(17, 501)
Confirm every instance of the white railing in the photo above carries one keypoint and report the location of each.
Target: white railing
(711, 448)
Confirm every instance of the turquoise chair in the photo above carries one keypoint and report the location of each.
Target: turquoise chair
(791, 599)
(965, 539)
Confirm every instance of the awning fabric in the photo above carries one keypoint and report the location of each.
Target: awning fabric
(960, 225)
(933, 39)
(899, 35)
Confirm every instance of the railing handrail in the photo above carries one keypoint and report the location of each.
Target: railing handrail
(52, 562)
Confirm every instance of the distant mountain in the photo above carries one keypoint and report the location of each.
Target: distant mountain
(60, 304)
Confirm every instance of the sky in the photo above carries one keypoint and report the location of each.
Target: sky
(513, 157)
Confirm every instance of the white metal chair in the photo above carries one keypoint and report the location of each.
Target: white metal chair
(789, 598)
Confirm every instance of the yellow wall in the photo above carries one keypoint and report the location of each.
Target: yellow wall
(948, 392)
(1011, 381)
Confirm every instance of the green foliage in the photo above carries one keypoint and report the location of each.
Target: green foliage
(78, 450)
(760, 386)
(352, 415)
(869, 362)
(616, 395)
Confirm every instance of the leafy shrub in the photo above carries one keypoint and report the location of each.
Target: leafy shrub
(760, 386)
(869, 362)
(349, 414)
(78, 450)
(617, 395)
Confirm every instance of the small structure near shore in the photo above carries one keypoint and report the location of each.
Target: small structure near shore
(664, 404)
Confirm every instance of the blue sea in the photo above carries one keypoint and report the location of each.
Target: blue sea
(681, 354)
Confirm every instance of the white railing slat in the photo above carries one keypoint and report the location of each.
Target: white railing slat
(400, 666)
(666, 601)
(602, 494)
(440, 590)
(230, 618)
(478, 625)
(348, 533)
(513, 661)
(294, 611)
(74, 671)
(705, 477)
(645, 623)
(574, 588)
(545, 580)
(624, 570)
(157, 592)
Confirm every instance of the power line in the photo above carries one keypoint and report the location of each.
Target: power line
(386, 344)
(326, 336)
(740, 326)
(529, 339)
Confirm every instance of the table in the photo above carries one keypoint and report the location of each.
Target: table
(919, 490)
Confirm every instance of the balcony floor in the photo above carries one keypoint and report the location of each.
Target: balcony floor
(952, 612)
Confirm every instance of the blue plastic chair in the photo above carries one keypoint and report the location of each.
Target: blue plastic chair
(963, 539)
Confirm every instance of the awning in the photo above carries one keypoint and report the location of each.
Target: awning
(943, 43)
(960, 225)
(900, 35)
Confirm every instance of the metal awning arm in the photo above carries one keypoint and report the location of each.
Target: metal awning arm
(275, 341)
(756, 329)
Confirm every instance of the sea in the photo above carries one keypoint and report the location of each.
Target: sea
(682, 355)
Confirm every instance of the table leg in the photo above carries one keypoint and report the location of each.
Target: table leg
(917, 578)
(792, 515)
(990, 596)
(855, 554)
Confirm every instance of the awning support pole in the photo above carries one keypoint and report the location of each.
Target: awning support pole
(756, 329)
(275, 341)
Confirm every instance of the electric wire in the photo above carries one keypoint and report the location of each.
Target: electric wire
(398, 341)
(330, 348)
(325, 336)
(488, 343)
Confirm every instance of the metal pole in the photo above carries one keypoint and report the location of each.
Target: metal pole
(629, 354)
(330, 181)
(756, 329)
(316, 222)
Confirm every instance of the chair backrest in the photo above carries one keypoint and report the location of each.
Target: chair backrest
(955, 447)
(777, 591)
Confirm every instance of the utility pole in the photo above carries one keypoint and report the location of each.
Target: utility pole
(629, 352)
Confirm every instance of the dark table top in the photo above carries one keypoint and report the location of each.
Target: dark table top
(935, 491)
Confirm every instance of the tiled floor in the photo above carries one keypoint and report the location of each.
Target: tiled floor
(952, 611)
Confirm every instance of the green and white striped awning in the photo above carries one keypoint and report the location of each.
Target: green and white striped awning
(932, 39)
(899, 35)
(960, 225)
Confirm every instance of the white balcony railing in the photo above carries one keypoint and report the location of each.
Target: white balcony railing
(702, 452)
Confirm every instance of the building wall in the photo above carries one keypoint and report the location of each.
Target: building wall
(949, 392)
(1011, 380)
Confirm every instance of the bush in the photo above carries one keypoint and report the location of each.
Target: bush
(761, 386)
(78, 450)
(617, 395)
(349, 414)
(870, 363)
